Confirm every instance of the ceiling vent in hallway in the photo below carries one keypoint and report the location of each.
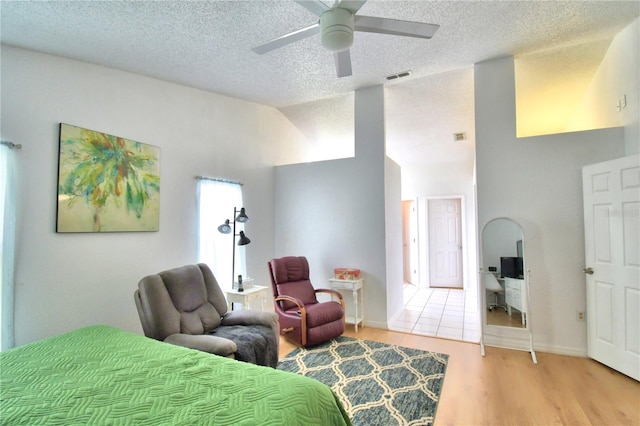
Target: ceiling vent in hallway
(397, 76)
(459, 136)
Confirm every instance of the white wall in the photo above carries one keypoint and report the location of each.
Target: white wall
(327, 125)
(551, 83)
(616, 77)
(326, 212)
(537, 182)
(66, 281)
(393, 237)
(333, 212)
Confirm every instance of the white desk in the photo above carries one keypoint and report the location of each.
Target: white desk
(516, 297)
(357, 288)
(251, 294)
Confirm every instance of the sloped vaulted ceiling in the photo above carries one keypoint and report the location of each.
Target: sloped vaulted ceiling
(207, 44)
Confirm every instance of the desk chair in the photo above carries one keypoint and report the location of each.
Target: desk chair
(491, 284)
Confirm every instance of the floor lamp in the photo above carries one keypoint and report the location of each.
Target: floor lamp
(239, 217)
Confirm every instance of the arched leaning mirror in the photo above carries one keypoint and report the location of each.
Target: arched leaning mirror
(504, 280)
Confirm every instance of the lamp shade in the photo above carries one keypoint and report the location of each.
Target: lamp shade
(242, 216)
(243, 240)
(225, 228)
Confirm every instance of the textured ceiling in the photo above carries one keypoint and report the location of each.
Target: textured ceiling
(207, 45)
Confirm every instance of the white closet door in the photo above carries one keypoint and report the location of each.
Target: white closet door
(612, 238)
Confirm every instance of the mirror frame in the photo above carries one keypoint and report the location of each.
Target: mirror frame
(498, 335)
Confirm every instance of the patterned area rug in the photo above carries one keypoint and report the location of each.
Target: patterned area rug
(378, 384)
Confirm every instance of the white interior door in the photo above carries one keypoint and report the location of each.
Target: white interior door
(612, 237)
(445, 243)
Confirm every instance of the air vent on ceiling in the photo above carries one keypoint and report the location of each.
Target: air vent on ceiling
(397, 76)
(459, 136)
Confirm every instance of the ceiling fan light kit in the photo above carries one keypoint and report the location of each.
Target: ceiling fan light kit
(337, 24)
(337, 29)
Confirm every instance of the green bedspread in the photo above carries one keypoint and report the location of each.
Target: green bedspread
(104, 376)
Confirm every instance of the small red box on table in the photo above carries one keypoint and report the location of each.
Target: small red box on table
(346, 273)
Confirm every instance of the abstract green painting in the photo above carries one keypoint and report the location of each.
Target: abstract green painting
(106, 183)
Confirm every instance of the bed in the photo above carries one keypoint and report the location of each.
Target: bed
(103, 375)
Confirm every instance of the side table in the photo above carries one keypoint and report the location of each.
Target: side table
(356, 286)
(251, 294)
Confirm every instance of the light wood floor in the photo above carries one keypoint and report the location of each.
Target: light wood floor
(506, 388)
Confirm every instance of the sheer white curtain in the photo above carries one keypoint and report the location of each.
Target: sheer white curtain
(7, 236)
(216, 201)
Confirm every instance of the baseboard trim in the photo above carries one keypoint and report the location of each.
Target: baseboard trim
(561, 350)
(507, 343)
(523, 345)
(376, 324)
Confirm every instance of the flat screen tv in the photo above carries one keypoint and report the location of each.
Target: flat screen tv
(519, 267)
(511, 267)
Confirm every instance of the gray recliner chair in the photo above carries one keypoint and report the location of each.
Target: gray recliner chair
(185, 306)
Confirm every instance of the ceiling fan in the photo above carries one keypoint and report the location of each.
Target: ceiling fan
(337, 24)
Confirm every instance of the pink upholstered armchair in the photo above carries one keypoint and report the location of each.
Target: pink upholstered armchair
(303, 319)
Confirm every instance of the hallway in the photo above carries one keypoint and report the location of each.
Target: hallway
(439, 312)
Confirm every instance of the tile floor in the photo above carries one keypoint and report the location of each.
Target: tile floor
(439, 312)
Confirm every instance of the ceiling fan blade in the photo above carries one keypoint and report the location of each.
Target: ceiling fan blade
(287, 39)
(314, 6)
(343, 63)
(372, 24)
(352, 5)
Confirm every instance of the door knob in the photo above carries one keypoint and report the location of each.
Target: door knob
(588, 271)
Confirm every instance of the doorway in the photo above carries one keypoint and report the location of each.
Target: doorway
(445, 242)
(450, 313)
(410, 242)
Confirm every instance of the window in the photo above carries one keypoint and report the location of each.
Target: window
(216, 201)
(7, 236)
